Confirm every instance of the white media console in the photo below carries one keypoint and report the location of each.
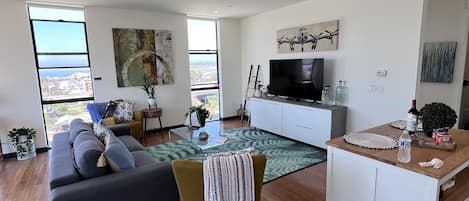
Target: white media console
(311, 123)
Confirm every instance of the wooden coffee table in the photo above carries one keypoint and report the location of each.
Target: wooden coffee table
(215, 138)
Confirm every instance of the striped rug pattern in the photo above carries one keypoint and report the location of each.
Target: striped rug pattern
(284, 156)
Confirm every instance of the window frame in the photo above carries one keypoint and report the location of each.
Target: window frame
(38, 68)
(209, 85)
(214, 85)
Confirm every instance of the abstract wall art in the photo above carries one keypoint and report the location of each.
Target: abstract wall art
(164, 53)
(438, 62)
(143, 56)
(315, 37)
(134, 56)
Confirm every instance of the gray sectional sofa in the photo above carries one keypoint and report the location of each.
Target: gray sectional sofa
(74, 176)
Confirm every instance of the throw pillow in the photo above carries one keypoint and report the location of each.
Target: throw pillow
(100, 130)
(124, 111)
(116, 155)
(77, 126)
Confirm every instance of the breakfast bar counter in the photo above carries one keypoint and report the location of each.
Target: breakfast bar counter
(362, 174)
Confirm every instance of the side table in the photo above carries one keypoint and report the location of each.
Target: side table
(152, 113)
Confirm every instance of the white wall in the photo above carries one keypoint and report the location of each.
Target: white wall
(19, 89)
(19, 95)
(373, 34)
(445, 21)
(174, 98)
(230, 65)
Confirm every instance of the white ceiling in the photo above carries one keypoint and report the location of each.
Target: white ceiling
(197, 8)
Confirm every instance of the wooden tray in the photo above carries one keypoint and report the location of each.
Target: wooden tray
(423, 141)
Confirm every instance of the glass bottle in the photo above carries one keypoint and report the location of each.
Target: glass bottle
(327, 96)
(341, 93)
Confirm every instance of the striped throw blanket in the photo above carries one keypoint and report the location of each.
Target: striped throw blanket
(229, 177)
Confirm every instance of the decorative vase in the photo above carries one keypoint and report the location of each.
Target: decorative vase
(203, 136)
(264, 91)
(258, 92)
(152, 103)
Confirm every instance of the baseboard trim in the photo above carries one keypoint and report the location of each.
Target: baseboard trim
(164, 128)
(231, 118)
(38, 150)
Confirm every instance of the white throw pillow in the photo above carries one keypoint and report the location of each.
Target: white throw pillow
(100, 130)
(124, 111)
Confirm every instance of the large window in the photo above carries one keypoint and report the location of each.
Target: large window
(62, 63)
(203, 59)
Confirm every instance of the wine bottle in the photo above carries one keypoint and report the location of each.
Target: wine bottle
(412, 117)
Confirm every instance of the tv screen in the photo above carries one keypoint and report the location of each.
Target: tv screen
(297, 78)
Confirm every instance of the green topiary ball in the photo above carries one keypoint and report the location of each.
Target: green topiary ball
(437, 115)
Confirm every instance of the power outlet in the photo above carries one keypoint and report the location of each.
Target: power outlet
(381, 73)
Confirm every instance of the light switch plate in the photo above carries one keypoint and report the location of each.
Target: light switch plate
(375, 89)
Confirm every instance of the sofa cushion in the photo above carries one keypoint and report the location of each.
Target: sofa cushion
(117, 155)
(61, 169)
(87, 150)
(76, 127)
(143, 158)
(131, 143)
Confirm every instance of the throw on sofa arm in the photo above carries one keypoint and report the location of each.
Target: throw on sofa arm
(147, 183)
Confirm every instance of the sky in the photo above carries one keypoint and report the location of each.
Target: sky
(54, 37)
(202, 34)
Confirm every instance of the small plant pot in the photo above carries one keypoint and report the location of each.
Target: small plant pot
(152, 103)
(29, 146)
(202, 122)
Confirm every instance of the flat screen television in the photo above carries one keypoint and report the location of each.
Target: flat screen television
(297, 78)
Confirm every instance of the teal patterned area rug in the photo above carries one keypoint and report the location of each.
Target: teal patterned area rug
(284, 156)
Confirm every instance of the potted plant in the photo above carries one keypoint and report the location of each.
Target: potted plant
(150, 90)
(202, 113)
(22, 140)
(437, 116)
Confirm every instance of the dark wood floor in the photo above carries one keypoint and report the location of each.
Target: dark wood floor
(27, 180)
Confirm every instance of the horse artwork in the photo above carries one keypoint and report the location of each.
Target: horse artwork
(315, 37)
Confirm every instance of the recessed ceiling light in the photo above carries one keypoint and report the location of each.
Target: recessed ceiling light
(216, 11)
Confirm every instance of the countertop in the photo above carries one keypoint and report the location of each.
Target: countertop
(452, 160)
(302, 103)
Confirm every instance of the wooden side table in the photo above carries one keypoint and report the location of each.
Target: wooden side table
(152, 113)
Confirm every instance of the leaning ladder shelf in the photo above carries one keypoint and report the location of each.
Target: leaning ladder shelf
(251, 88)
